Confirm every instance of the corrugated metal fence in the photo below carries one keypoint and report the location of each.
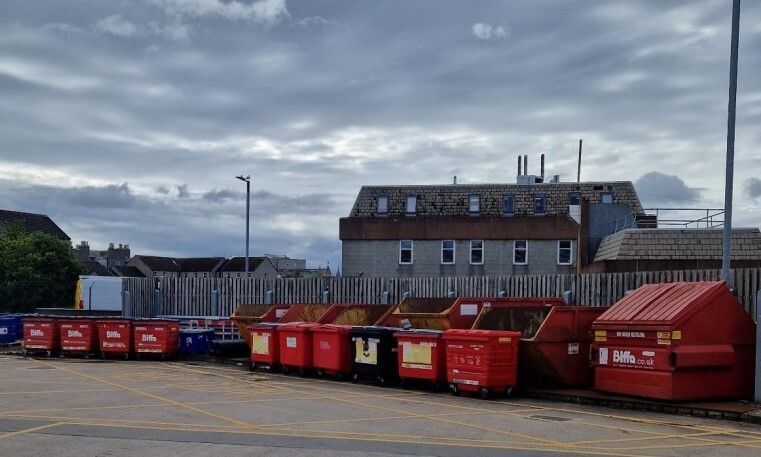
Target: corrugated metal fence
(193, 296)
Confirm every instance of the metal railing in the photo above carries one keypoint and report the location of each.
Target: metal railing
(695, 218)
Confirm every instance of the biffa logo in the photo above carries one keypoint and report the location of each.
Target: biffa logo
(113, 334)
(149, 338)
(624, 357)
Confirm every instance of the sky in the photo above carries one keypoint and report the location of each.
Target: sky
(126, 121)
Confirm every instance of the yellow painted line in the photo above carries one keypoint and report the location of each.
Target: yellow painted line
(150, 395)
(29, 430)
(46, 392)
(125, 422)
(322, 435)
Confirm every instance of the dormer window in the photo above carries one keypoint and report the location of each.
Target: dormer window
(606, 198)
(382, 205)
(474, 204)
(539, 207)
(574, 198)
(411, 205)
(508, 205)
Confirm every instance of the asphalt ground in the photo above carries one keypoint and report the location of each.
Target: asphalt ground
(76, 407)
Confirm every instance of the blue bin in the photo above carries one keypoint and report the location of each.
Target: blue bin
(11, 328)
(195, 341)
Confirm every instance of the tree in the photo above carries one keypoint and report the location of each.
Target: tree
(36, 271)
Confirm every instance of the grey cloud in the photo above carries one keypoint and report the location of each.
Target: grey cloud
(486, 32)
(110, 196)
(263, 11)
(657, 188)
(163, 190)
(752, 188)
(182, 191)
(222, 194)
(117, 25)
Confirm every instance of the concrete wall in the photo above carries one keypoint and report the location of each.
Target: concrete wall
(381, 259)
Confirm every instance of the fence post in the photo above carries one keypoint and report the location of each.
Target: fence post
(758, 347)
(157, 302)
(215, 302)
(385, 297)
(127, 304)
(268, 297)
(451, 294)
(326, 295)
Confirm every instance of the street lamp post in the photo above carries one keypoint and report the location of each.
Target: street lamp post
(731, 112)
(247, 180)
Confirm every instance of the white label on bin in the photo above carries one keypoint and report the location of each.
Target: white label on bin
(573, 348)
(280, 312)
(3, 330)
(290, 341)
(468, 310)
(603, 356)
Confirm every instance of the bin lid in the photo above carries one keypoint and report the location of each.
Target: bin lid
(663, 304)
(186, 331)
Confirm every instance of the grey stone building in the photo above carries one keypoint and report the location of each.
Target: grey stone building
(258, 267)
(109, 258)
(487, 229)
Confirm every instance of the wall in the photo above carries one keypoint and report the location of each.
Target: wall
(381, 259)
(193, 296)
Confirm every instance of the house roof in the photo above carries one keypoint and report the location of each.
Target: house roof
(31, 222)
(200, 264)
(127, 271)
(94, 268)
(678, 244)
(238, 264)
(156, 263)
(452, 200)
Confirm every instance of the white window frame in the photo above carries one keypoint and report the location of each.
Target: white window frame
(378, 208)
(569, 248)
(515, 249)
(505, 197)
(413, 199)
(454, 252)
(474, 198)
(483, 252)
(412, 252)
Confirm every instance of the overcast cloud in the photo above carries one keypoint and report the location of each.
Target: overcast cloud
(128, 121)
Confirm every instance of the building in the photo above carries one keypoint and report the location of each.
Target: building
(200, 267)
(127, 271)
(111, 257)
(258, 267)
(93, 268)
(30, 222)
(155, 266)
(310, 273)
(530, 227)
(283, 263)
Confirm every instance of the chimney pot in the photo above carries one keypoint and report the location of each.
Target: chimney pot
(525, 164)
(542, 168)
(520, 166)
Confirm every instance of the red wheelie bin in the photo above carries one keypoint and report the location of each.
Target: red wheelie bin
(114, 337)
(41, 335)
(295, 341)
(78, 336)
(422, 357)
(160, 337)
(264, 346)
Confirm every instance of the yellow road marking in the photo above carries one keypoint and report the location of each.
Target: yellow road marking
(150, 395)
(29, 430)
(45, 392)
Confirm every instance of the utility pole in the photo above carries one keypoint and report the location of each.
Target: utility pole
(247, 180)
(732, 110)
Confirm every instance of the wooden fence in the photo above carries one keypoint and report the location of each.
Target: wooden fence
(193, 296)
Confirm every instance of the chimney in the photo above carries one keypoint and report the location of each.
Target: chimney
(542, 168)
(520, 170)
(110, 245)
(525, 164)
(454, 181)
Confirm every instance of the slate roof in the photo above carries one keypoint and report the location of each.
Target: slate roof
(200, 264)
(678, 244)
(127, 271)
(156, 263)
(31, 222)
(452, 199)
(239, 264)
(93, 268)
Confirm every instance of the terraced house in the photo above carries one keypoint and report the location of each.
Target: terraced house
(530, 227)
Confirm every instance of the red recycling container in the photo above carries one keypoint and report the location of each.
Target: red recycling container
(78, 335)
(332, 350)
(264, 345)
(114, 337)
(295, 345)
(483, 361)
(676, 341)
(156, 336)
(41, 334)
(422, 356)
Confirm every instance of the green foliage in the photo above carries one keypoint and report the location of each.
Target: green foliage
(36, 271)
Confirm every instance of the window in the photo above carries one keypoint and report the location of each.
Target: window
(574, 198)
(474, 204)
(405, 252)
(606, 198)
(508, 205)
(447, 252)
(539, 204)
(477, 252)
(382, 205)
(520, 252)
(206, 275)
(565, 252)
(411, 204)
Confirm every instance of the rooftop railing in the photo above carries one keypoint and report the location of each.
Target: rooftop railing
(692, 218)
